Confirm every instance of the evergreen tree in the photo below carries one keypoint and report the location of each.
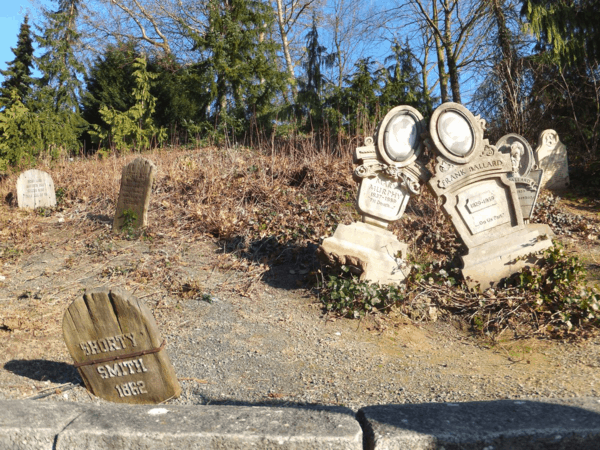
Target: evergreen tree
(570, 29)
(109, 83)
(17, 75)
(239, 60)
(402, 82)
(134, 128)
(360, 99)
(61, 70)
(310, 101)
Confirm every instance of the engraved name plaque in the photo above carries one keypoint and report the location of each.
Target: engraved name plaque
(35, 189)
(117, 349)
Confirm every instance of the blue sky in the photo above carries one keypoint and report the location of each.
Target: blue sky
(11, 17)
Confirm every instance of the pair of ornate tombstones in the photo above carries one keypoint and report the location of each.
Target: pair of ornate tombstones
(487, 191)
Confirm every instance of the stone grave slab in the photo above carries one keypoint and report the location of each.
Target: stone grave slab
(525, 173)
(388, 174)
(551, 156)
(134, 196)
(473, 180)
(35, 189)
(115, 343)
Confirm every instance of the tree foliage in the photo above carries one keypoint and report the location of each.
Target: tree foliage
(568, 29)
(17, 75)
(134, 128)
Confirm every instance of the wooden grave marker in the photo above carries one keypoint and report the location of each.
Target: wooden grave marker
(115, 343)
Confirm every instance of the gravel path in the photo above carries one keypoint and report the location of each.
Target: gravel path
(275, 346)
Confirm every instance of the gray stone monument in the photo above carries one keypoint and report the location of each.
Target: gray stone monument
(134, 195)
(389, 174)
(551, 156)
(35, 189)
(480, 197)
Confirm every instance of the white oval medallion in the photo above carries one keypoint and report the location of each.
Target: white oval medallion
(400, 137)
(455, 133)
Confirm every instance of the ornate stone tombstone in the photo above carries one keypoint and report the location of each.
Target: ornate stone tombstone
(551, 156)
(525, 173)
(134, 196)
(473, 180)
(117, 348)
(35, 189)
(389, 174)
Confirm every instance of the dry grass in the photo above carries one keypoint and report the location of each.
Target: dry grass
(263, 209)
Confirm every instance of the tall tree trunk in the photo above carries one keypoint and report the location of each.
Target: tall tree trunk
(450, 56)
(286, 49)
(441, 63)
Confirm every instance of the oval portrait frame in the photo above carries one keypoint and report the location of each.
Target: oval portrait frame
(503, 146)
(475, 127)
(416, 149)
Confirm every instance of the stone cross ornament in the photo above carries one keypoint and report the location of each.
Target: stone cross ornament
(479, 187)
(389, 174)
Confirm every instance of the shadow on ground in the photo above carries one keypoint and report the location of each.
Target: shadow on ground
(289, 265)
(44, 370)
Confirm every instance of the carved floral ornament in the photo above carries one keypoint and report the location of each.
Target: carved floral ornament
(399, 144)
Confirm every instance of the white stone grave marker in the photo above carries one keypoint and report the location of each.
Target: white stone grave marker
(551, 155)
(389, 174)
(35, 189)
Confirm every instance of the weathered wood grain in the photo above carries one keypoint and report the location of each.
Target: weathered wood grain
(109, 324)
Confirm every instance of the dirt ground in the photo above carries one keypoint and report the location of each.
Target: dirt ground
(244, 333)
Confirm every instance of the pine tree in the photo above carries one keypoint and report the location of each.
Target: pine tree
(134, 128)
(61, 70)
(569, 29)
(17, 76)
(402, 83)
(309, 101)
(238, 57)
(360, 99)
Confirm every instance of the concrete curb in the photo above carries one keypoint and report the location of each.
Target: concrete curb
(548, 424)
(28, 425)
(570, 424)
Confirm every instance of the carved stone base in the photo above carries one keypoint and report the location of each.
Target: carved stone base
(487, 264)
(367, 249)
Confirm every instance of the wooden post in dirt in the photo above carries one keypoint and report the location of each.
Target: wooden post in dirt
(115, 343)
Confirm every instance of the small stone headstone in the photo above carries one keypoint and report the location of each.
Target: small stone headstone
(476, 182)
(117, 348)
(35, 189)
(551, 155)
(134, 195)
